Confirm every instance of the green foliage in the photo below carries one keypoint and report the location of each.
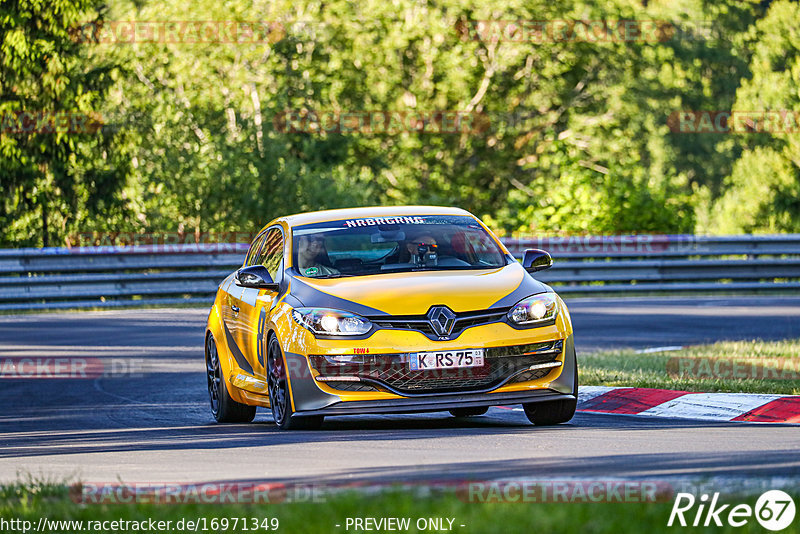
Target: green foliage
(577, 197)
(763, 190)
(53, 181)
(574, 135)
(764, 195)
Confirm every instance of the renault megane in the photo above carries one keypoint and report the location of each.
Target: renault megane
(387, 310)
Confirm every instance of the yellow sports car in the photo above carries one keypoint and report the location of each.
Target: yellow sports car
(387, 310)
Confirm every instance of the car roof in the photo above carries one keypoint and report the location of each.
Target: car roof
(362, 213)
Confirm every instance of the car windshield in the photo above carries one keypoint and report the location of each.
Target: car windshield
(375, 245)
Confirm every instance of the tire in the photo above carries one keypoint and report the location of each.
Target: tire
(279, 395)
(223, 407)
(468, 412)
(553, 412)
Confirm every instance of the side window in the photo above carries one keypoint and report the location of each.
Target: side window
(482, 247)
(255, 250)
(271, 254)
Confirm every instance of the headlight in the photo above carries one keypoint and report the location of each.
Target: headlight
(327, 322)
(539, 308)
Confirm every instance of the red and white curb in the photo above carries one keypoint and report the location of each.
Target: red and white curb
(747, 407)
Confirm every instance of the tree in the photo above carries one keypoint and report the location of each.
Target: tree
(59, 171)
(571, 135)
(763, 190)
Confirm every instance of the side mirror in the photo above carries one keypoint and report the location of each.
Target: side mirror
(536, 260)
(255, 277)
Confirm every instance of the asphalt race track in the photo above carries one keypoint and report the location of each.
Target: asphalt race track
(154, 425)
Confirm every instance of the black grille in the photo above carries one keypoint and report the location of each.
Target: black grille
(421, 323)
(350, 386)
(393, 370)
(407, 324)
(535, 374)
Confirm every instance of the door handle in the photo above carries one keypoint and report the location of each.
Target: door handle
(235, 309)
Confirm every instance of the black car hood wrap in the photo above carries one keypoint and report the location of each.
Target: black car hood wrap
(492, 290)
(529, 286)
(312, 297)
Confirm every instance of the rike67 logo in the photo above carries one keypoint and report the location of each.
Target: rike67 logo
(774, 510)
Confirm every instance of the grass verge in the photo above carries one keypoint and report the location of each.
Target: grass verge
(29, 503)
(730, 366)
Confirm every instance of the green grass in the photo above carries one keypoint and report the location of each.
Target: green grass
(32, 501)
(712, 371)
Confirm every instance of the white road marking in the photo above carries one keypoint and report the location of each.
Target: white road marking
(587, 393)
(711, 406)
(668, 348)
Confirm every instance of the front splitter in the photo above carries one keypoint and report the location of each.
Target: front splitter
(438, 403)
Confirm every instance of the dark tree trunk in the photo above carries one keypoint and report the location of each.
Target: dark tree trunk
(44, 224)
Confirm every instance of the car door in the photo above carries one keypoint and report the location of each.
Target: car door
(256, 304)
(229, 316)
(232, 317)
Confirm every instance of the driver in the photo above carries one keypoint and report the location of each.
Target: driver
(413, 246)
(309, 251)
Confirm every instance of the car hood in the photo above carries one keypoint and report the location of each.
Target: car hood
(413, 293)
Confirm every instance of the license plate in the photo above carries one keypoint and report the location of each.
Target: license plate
(451, 359)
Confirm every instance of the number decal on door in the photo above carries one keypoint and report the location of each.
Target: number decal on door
(261, 342)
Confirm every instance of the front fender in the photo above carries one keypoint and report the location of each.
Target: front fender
(295, 342)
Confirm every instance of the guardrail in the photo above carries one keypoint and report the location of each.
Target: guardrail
(111, 276)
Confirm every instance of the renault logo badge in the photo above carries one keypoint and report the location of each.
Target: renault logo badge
(442, 320)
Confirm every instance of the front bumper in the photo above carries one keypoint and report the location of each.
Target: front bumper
(392, 373)
(311, 399)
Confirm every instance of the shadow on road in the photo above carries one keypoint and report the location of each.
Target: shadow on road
(658, 466)
(69, 430)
